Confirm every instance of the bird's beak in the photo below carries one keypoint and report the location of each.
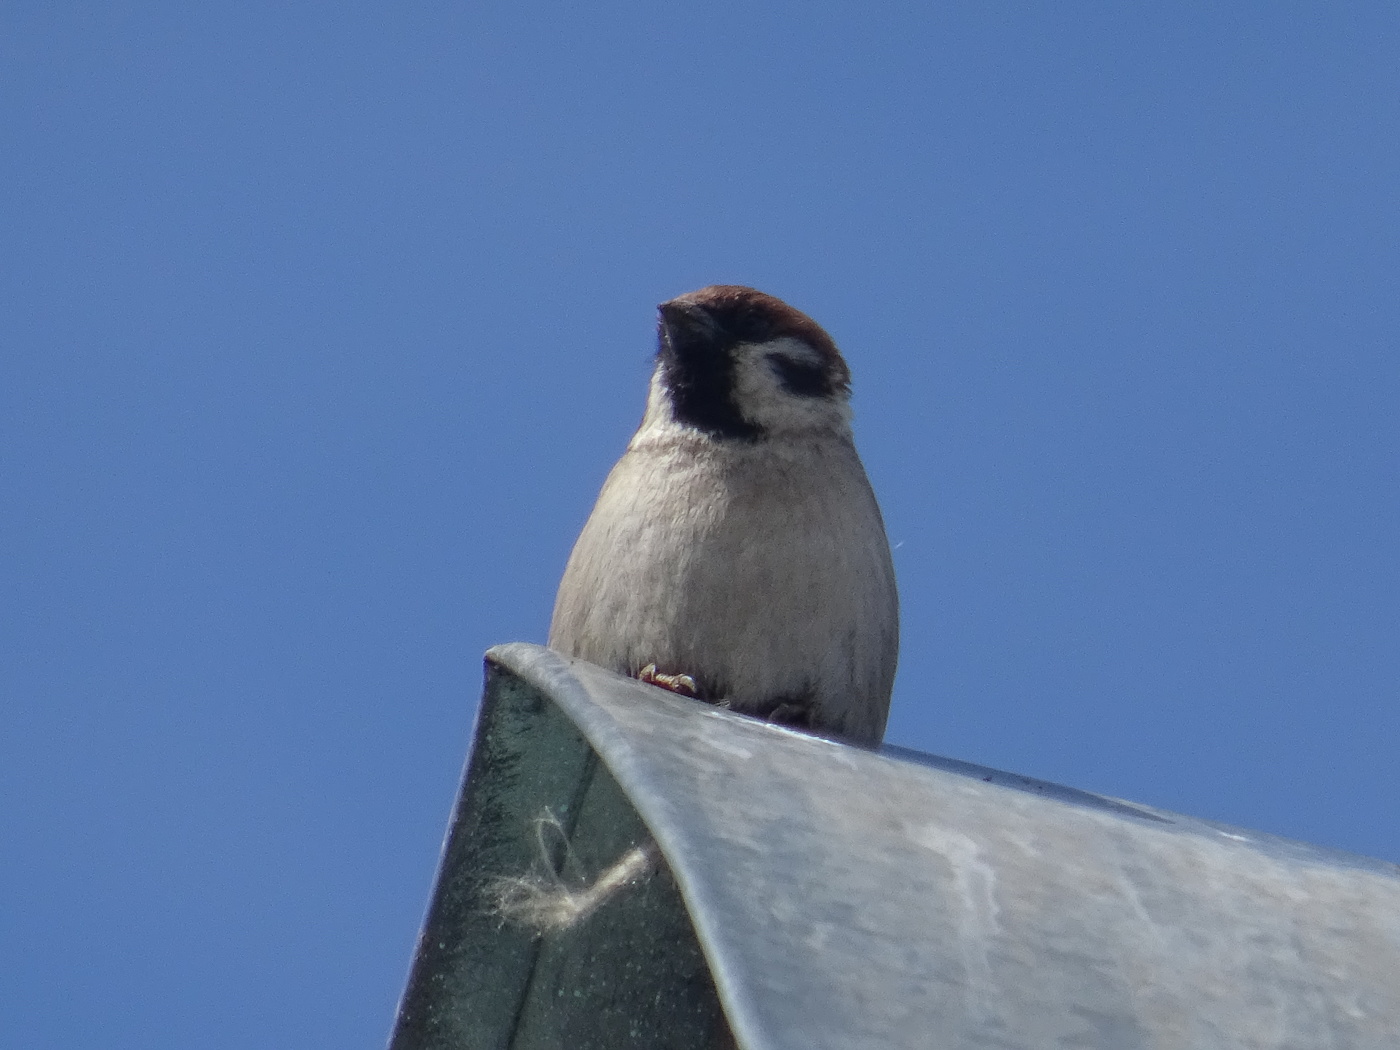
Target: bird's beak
(687, 321)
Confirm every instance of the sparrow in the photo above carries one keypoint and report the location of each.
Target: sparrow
(736, 552)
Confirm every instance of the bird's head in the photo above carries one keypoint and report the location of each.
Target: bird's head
(736, 364)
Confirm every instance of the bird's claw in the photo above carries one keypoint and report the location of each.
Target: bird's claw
(676, 683)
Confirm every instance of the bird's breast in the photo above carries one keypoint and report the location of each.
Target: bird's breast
(762, 572)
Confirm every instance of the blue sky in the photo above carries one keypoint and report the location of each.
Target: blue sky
(323, 323)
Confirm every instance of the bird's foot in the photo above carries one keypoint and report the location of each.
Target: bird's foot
(798, 715)
(676, 683)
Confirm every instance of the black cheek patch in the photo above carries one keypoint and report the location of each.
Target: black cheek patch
(710, 408)
(700, 380)
(801, 377)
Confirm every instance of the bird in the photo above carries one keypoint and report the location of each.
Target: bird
(736, 552)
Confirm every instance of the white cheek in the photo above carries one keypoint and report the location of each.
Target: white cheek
(762, 398)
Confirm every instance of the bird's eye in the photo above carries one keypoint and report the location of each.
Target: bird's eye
(802, 378)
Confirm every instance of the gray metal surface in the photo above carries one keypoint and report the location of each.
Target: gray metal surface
(849, 899)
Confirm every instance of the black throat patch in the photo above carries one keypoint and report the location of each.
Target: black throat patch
(698, 372)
